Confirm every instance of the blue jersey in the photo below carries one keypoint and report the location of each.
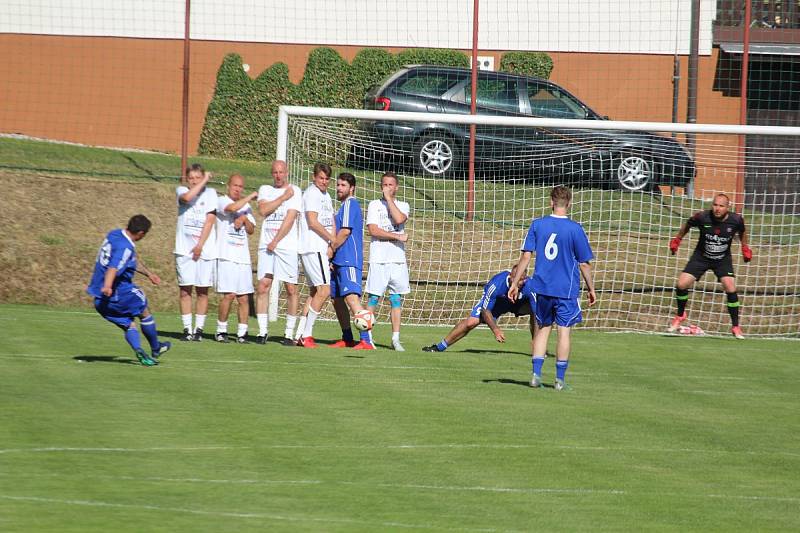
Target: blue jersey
(496, 288)
(351, 252)
(117, 251)
(560, 245)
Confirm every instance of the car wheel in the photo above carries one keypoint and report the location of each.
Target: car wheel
(634, 172)
(436, 155)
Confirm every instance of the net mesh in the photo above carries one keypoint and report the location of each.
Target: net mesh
(452, 252)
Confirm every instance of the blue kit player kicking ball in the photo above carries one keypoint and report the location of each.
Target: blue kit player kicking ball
(493, 304)
(117, 298)
(562, 251)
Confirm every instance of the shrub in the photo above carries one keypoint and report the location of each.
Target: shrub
(527, 63)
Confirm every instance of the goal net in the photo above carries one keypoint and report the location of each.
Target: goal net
(634, 184)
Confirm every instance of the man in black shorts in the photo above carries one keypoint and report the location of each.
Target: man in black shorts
(713, 252)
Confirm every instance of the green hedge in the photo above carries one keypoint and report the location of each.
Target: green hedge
(242, 119)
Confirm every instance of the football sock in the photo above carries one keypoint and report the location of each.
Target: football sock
(733, 307)
(308, 331)
(199, 322)
(365, 337)
(681, 298)
(538, 361)
(395, 336)
(347, 335)
(150, 332)
(561, 369)
(263, 324)
(132, 336)
(291, 320)
(187, 321)
(241, 331)
(442, 345)
(301, 327)
(222, 327)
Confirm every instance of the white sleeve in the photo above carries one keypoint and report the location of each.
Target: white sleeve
(296, 201)
(211, 200)
(181, 190)
(373, 214)
(262, 192)
(311, 202)
(222, 203)
(404, 208)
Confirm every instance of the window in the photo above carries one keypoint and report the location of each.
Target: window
(549, 102)
(428, 83)
(493, 94)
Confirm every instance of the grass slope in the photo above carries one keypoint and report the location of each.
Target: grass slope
(659, 434)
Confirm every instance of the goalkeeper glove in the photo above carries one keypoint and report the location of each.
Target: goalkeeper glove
(674, 244)
(747, 253)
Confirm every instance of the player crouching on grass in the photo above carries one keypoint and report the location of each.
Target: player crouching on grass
(117, 298)
(717, 228)
(493, 304)
(235, 221)
(562, 250)
(347, 257)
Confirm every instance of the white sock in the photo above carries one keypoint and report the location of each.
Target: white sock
(242, 330)
(263, 324)
(291, 320)
(301, 326)
(395, 336)
(199, 322)
(222, 327)
(308, 331)
(187, 321)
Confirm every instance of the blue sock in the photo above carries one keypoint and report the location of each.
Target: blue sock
(149, 329)
(132, 336)
(364, 337)
(561, 369)
(538, 361)
(442, 345)
(347, 335)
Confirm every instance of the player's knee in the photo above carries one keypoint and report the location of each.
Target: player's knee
(373, 300)
(291, 289)
(395, 301)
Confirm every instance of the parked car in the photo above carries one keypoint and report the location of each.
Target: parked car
(625, 159)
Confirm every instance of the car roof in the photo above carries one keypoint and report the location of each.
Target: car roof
(462, 70)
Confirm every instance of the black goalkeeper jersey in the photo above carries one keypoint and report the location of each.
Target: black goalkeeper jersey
(715, 235)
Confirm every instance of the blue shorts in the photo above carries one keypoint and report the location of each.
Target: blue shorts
(345, 280)
(565, 312)
(123, 306)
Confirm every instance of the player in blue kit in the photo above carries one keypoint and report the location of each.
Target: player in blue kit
(493, 304)
(562, 256)
(347, 261)
(117, 298)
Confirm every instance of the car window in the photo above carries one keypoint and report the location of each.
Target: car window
(427, 83)
(549, 102)
(493, 94)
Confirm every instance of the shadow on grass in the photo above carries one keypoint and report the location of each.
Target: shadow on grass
(105, 359)
(477, 350)
(507, 381)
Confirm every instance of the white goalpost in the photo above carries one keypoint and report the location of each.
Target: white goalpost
(629, 180)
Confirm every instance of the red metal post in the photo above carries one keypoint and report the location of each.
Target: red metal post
(185, 117)
(472, 111)
(740, 167)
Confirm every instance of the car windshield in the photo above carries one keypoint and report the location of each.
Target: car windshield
(549, 102)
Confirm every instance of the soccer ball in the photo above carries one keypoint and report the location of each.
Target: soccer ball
(363, 320)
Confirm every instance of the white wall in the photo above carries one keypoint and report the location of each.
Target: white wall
(623, 26)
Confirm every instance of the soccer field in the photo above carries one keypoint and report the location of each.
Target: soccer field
(658, 433)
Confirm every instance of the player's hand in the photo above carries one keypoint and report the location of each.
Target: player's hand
(330, 252)
(674, 244)
(288, 193)
(239, 222)
(107, 291)
(154, 279)
(402, 237)
(197, 251)
(747, 253)
(207, 176)
(513, 291)
(387, 193)
(252, 196)
(273, 244)
(499, 335)
(592, 297)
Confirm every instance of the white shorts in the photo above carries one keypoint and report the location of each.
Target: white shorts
(317, 268)
(200, 273)
(283, 266)
(388, 276)
(234, 277)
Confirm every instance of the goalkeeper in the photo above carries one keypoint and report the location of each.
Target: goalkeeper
(717, 228)
(489, 308)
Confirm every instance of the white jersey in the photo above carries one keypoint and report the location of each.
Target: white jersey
(233, 244)
(191, 218)
(381, 251)
(319, 202)
(272, 222)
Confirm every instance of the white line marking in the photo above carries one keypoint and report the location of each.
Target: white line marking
(122, 450)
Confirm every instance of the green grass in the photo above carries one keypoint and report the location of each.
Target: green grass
(658, 433)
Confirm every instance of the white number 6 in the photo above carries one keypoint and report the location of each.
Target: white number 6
(551, 248)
